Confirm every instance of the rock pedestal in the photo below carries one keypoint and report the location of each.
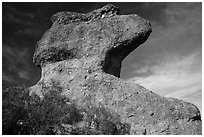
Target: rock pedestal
(82, 54)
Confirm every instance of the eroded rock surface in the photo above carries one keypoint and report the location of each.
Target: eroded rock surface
(82, 53)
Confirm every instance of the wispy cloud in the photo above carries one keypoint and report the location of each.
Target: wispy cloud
(29, 31)
(14, 56)
(16, 62)
(12, 15)
(23, 74)
(8, 78)
(178, 79)
(169, 63)
(173, 76)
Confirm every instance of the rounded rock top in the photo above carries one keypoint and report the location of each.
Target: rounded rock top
(70, 17)
(101, 34)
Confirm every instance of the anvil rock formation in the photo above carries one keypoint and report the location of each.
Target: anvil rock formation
(83, 54)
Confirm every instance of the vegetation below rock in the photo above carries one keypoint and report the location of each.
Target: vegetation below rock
(54, 114)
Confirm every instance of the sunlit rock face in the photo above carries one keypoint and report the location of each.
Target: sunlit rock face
(82, 53)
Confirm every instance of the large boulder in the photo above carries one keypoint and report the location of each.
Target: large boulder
(82, 54)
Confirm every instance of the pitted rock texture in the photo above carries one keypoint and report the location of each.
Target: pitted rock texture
(82, 53)
(102, 36)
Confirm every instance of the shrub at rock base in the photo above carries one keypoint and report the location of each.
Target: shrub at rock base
(54, 114)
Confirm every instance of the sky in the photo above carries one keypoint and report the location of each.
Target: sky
(169, 63)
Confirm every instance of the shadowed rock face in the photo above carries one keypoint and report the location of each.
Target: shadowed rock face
(82, 53)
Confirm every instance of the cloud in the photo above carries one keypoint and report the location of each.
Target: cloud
(8, 78)
(11, 15)
(15, 63)
(177, 79)
(178, 38)
(14, 56)
(29, 31)
(196, 98)
(172, 76)
(169, 63)
(23, 74)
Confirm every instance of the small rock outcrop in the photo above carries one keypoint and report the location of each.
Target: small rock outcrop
(82, 53)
